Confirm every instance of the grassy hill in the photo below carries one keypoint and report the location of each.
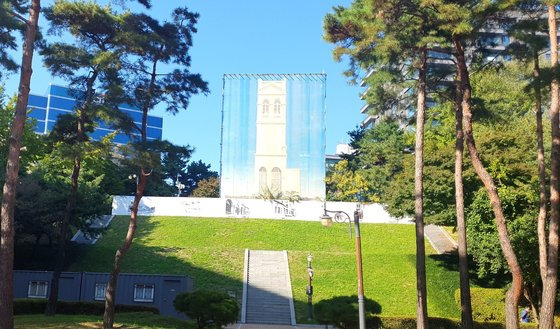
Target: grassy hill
(212, 250)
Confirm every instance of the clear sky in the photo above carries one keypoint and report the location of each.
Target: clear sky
(246, 36)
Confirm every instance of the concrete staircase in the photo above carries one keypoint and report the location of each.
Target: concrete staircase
(267, 290)
(97, 223)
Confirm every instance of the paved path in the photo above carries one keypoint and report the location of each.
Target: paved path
(274, 326)
(98, 223)
(440, 239)
(268, 292)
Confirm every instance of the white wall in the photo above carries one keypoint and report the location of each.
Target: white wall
(248, 208)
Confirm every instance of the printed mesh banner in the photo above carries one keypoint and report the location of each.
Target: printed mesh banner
(273, 136)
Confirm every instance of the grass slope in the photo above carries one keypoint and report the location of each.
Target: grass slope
(212, 251)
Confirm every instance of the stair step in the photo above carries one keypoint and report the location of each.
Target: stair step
(268, 294)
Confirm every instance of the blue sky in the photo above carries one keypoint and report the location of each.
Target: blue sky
(246, 36)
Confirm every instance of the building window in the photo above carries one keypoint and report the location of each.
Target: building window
(37, 289)
(276, 180)
(100, 289)
(277, 107)
(265, 106)
(143, 292)
(262, 180)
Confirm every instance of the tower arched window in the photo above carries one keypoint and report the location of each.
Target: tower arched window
(262, 180)
(277, 106)
(265, 106)
(276, 180)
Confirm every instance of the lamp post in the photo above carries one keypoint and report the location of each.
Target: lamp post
(179, 186)
(309, 290)
(341, 216)
(134, 176)
(358, 214)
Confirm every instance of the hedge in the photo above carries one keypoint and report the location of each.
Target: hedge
(37, 306)
(487, 304)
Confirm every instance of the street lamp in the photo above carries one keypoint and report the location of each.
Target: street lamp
(309, 290)
(134, 176)
(179, 186)
(341, 216)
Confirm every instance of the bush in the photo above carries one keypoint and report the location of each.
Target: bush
(488, 304)
(208, 308)
(37, 306)
(342, 311)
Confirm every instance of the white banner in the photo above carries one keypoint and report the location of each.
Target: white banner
(249, 208)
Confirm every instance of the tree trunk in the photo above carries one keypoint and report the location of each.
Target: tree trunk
(541, 219)
(421, 298)
(63, 233)
(464, 284)
(109, 314)
(550, 283)
(12, 170)
(533, 302)
(70, 203)
(515, 292)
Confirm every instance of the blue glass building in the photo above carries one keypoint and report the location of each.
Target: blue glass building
(60, 100)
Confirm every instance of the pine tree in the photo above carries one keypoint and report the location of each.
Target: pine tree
(154, 45)
(391, 39)
(90, 65)
(550, 281)
(11, 21)
(460, 21)
(12, 167)
(530, 41)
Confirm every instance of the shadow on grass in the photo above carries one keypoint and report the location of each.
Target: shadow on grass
(450, 261)
(145, 258)
(343, 310)
(441, 285)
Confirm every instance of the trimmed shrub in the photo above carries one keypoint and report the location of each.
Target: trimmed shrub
(37, 306)
(342, 311)
(208, 308)
(488, 304)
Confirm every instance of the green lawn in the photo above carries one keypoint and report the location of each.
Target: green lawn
(123, 320)
(452, 232)
(212, 251)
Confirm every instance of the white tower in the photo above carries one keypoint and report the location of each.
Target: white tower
(271, 172)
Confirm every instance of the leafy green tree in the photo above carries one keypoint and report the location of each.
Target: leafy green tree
(378, 156)
(41, 200)
(34, 143)
(208, 308)
(196, 172)
(174, 162)
(158, 73)
(207, 188)
(13, 162)
(345, 185)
